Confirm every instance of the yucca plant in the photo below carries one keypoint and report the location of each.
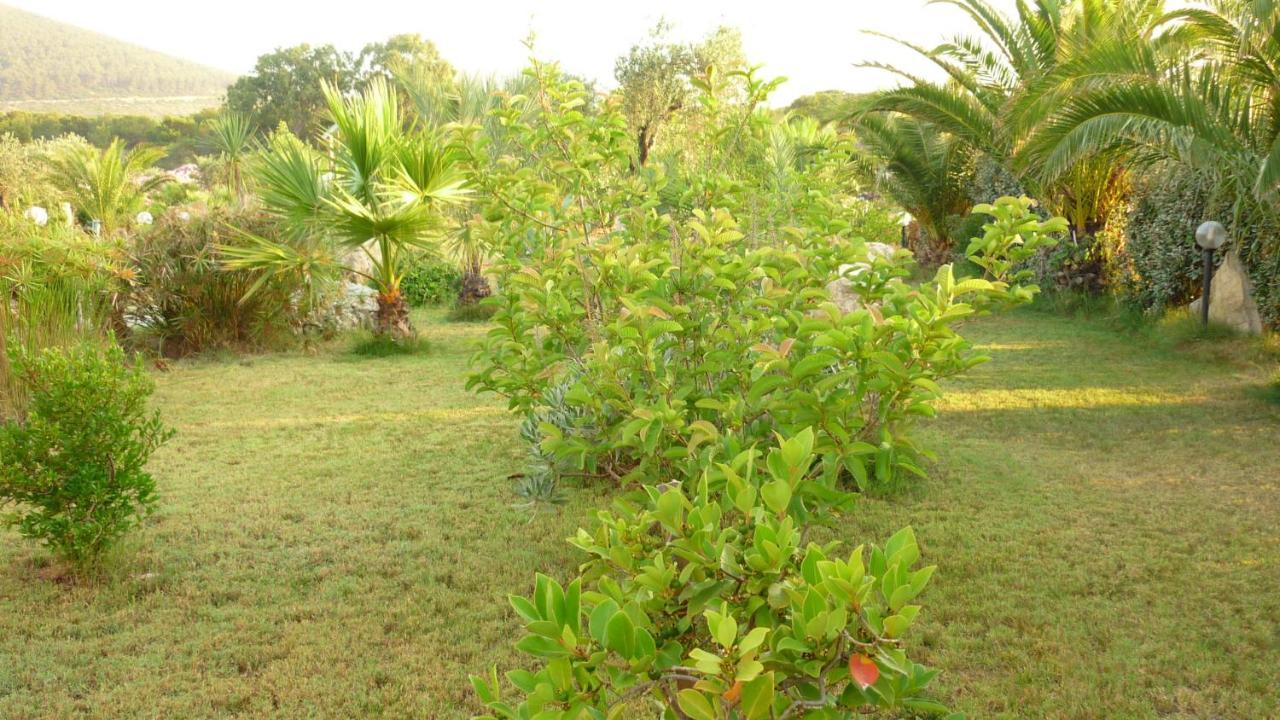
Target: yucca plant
(108, 185)
(378, 190)
(233, 138)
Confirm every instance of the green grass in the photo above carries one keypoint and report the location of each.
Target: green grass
(338, 534)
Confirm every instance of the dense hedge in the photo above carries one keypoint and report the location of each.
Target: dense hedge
(1157, 262)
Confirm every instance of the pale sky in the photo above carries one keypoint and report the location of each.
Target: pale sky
(813, 44)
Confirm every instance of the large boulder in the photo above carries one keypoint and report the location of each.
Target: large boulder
(1231, 297)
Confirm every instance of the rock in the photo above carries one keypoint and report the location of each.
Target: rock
(1231, 298)
(37, 215)
(355, 307)
(186, 174)
(842, 291)
(359, 262)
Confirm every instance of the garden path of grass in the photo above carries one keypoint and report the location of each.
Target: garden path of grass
(336, 539)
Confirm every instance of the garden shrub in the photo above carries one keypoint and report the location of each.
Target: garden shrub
(658, 326)
(690, 333)
(73, 465)
(1159, 262)
(682, 326)
(708, 597)
(431, 283)
(183, 301)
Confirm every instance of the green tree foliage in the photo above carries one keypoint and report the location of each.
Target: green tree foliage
(401, 55)
(655, 79)
(41, 59)
(828, 106)
(73, 466)
(285, 88)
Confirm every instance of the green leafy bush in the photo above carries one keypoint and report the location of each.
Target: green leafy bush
(680, 322)
(431, 283)
(657, 327)
(74, 464)
(708, 597)
(672, 343)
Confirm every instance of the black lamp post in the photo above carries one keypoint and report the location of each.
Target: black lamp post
(905, 221)
(1209, 236)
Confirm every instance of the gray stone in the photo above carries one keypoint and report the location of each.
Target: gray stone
(1231, 297)
(842, 290)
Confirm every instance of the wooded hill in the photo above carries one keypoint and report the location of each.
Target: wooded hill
(50, 65)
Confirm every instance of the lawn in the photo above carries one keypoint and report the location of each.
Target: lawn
(337, 536)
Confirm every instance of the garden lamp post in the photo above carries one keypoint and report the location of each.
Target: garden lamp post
(905, 221)
(1209, 236)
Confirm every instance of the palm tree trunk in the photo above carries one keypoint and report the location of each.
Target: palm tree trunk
(475, 287)
(392, 319)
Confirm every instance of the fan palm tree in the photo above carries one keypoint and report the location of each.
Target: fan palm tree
(464, 106)
(379, 190)
(108, 185)
(232, 138)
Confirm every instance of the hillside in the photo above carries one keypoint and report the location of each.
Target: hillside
(47, 65)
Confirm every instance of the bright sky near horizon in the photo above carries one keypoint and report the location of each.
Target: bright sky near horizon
(814, 44)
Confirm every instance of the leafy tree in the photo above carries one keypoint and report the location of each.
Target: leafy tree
(655, 79)
(377, 191)
(285, 87)
(407, 54)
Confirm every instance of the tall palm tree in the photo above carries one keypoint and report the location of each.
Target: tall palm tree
(1003, 81)
(1215, 110)
(379, 190)
(108, 185)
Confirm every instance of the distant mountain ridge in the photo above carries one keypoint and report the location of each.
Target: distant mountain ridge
(53, 66)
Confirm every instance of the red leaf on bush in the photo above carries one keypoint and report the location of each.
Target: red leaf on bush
(732, 694)
(863, 670)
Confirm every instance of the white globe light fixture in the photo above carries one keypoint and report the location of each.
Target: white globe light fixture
(1210, 236)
